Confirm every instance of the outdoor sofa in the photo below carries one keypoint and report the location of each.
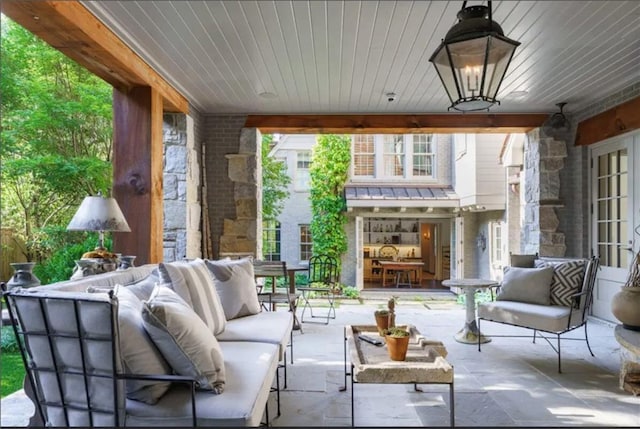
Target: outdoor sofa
(120, 349)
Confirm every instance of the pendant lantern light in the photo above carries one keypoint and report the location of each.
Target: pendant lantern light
(473, 59)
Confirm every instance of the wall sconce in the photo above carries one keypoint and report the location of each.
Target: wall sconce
(481, 241)
(473, 59)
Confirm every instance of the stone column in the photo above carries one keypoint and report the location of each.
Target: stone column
(181, 182)
(243, 235)
(544, 159)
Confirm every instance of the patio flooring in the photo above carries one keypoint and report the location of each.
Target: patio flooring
(512, 382)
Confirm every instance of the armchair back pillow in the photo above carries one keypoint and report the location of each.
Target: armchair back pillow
(530, 285)
(567, 280)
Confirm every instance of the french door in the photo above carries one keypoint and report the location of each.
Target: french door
(615, 186)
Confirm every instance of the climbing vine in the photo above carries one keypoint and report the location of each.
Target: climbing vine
(329, 172)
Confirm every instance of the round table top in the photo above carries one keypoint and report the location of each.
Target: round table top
(471, 283)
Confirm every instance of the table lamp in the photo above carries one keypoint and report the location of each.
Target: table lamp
(98, 213)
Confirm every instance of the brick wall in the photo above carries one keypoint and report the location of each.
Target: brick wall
(221, 135)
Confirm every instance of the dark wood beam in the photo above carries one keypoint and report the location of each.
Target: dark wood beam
(613, 122)
(137, 172)
(70, 28)
(365, 124)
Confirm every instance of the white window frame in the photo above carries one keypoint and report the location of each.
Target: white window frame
(302, 175)
(305, 243)
(497, 244)
(371, 154)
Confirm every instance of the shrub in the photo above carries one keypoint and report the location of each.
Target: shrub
(8, 342)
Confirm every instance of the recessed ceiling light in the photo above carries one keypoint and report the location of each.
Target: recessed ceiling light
(267, 94)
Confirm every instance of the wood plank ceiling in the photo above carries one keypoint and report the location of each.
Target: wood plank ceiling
(342, 57)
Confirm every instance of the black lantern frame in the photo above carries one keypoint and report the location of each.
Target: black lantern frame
(473, 58)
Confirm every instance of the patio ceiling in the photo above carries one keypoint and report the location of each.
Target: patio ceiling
(335, 57)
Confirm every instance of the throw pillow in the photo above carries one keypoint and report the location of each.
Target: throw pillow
(530, 285)
(194, 283)
(566, 281)
(235, 282)
(139, 353)
(184, 340)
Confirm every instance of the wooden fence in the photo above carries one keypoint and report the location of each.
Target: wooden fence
(11, 250)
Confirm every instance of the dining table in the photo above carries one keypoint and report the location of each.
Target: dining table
(409, 267)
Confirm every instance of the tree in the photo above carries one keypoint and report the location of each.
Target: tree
(329, 171)
(274, 182)
(56, 136)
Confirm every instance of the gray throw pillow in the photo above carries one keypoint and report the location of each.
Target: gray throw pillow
(194, 283)
(530, 285)
(235, 282)
(139, 353)
(184, 340)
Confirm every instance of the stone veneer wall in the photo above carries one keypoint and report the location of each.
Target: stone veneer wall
(181, 185)
(544, 160)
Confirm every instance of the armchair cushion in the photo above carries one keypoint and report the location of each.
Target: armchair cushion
(194, 283)
(530, 285)
(184, 339)
(567, 279)
(235, 282)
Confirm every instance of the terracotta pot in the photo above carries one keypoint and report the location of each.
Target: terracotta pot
(625, 305)
(397, 347)
(382, 322)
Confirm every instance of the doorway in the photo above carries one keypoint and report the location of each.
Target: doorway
(615, 200)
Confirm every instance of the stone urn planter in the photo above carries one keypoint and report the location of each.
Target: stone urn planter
(397, 343)
(23, 275)
(625, 304)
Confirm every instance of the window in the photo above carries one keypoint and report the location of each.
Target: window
(306, 245)
(271, 240)
(363, 155)
(393, 155)
(497, 244)
(423, 156)
(303, 178)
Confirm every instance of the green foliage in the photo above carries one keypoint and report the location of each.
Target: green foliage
(350, 292)
(56, 129)
(8, 342)
(396, 332)
(12, 373)
(65, 248)
(274, 182)
(329, 172)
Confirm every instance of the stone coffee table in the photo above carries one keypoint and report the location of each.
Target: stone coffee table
(425, 362)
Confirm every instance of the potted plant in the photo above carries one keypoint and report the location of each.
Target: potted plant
(397, 339)
(382, 320)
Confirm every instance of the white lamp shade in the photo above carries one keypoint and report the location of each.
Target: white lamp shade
(99, 214)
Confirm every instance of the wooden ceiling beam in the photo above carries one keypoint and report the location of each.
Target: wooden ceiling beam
(610, 123)
(70, 28)
(396, 124)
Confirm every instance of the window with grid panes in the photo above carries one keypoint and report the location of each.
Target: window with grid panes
(363, 155)
(497, 243)
(303, 179)
(423, 155)
(306, 244)
(612, 203)
(393, 152)
(271, 240)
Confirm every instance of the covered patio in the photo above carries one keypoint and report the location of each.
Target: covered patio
(512, 382)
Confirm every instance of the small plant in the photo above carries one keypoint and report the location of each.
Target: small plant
(350, 292)
(381, 312)
(396, 332)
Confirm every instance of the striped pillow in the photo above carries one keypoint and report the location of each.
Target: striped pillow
(193, 282)
(567, 280)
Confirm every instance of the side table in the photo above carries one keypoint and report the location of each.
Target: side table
(469, 333)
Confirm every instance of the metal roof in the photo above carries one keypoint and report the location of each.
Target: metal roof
(406, 196)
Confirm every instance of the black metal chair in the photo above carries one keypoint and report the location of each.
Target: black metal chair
(323, 278)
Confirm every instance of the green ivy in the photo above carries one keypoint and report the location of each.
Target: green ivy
(329, 172)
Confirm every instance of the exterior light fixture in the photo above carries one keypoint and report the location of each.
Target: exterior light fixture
(473, 59)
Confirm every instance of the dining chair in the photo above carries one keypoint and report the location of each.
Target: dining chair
(323, 277)
(269, 299)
